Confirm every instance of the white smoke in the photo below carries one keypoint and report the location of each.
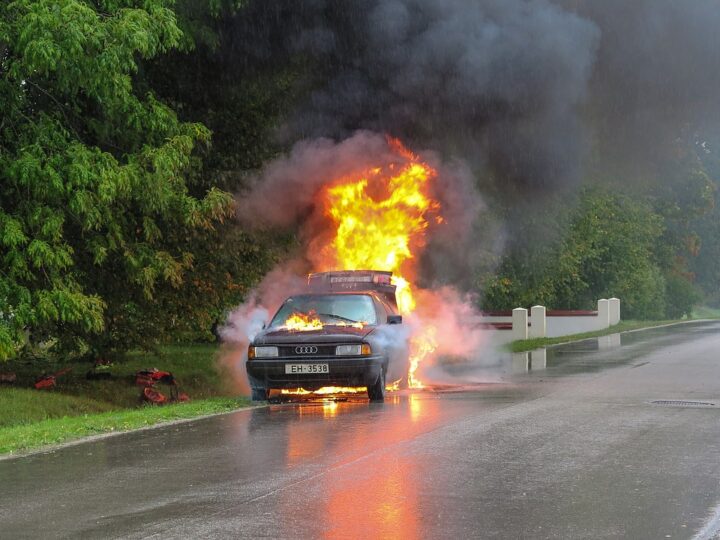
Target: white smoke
(244, 322)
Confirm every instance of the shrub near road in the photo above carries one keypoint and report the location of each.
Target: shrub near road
(102, 232)
(79, 407)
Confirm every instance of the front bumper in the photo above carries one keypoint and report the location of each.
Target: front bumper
(352, 371)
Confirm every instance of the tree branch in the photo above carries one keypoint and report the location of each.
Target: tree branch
(60, 106)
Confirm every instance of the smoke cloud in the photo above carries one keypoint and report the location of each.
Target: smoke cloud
(245, 321)
(654, 81)
(528, 92)
(497, 82)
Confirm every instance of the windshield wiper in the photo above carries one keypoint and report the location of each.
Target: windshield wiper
(338, 317)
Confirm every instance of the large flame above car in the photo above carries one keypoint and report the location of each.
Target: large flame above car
(380, 218)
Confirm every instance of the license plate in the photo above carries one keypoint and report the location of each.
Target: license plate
(307, 368)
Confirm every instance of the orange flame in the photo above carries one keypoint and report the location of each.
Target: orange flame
(306, 322)
(421, 346)
(325, 390)
(381, 217)
(301, 322)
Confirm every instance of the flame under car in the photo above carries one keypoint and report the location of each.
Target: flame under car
(344, 332)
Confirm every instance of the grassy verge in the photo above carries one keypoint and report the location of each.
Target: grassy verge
(57, 430)
(79, 407)
(624, 326)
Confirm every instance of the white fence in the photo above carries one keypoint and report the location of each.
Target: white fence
(543, 322)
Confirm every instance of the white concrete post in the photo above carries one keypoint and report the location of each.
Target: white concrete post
(603, 314)
(519, 324)
(538, 359)
(537, 322)
(614, 311)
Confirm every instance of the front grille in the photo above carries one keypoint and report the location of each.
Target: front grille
(299, 350)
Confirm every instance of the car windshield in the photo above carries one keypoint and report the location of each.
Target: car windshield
(330, 309)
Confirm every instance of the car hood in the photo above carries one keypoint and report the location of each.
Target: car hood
(327, 334)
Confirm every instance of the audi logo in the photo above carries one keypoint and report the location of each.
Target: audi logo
(308, 349)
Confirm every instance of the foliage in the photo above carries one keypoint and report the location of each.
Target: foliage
(194, 367)
(681, 297)
(97, 218)
(608, 250)
(704, 267)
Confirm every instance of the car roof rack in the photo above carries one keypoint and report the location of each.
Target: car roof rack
(354, 281)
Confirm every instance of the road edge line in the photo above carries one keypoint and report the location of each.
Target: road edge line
(711, 527)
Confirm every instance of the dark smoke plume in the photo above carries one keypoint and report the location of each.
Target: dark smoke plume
(522, 90)
(655, 80)
(496, 82)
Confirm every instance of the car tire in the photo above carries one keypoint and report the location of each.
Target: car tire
(376, 391)
(259, 394)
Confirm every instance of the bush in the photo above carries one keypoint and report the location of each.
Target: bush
(642, 293)
(607, 250)
(680, 296)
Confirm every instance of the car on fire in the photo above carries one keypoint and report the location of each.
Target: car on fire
(344, 331)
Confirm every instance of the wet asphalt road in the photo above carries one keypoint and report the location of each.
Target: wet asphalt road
(572, 448)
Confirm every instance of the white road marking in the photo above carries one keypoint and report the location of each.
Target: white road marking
(711, 530)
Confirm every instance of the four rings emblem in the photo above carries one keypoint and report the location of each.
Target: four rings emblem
(307, 349)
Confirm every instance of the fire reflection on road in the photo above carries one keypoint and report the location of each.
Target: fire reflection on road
(380, 502)
(381, 505)
(416, 407)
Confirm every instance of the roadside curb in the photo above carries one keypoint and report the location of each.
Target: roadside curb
(677, 323)
(644, 329)
(91, 438)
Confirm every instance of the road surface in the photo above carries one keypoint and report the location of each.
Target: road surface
(572, 448)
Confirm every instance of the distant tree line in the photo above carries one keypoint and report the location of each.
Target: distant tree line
(614, 246)
(651, 241)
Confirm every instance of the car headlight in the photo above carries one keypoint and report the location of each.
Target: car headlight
(262, 352)
(359, 349)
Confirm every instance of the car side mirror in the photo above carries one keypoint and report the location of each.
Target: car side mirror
(394, 319)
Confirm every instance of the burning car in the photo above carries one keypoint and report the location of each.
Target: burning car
(343, 332)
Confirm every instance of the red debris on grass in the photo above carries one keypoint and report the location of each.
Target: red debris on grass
(148, 377)
(50, 381)
(153, 396)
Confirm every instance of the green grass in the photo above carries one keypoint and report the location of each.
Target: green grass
(78, 407)
(57, 430)
(26, 406)
(624, 326)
